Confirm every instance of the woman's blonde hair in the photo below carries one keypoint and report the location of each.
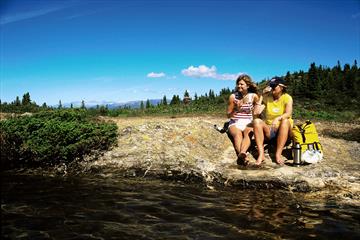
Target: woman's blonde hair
(247, 79)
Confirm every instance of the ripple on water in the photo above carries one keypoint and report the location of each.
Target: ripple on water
(98, 207)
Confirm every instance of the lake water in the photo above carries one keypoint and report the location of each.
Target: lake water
(96, 206)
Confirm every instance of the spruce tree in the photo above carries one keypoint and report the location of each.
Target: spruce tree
(148, 104)
(355, 75)
(349, 80)
(26, 99)
(186, 94)
(17, 101)
(83, 104)
(195, 97)
(175, 100)
(313, 82)
(164, 101)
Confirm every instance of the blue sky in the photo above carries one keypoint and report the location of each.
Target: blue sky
(136, 50)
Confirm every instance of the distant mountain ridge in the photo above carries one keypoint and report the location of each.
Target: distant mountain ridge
(110, 104)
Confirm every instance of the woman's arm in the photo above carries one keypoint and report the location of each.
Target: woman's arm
(288, 110)
(231, 106)
(257, 99)
(287, 113)
(258, 106)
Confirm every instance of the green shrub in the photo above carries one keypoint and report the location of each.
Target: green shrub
(53, 137)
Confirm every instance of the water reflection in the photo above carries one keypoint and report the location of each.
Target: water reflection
(104, 207)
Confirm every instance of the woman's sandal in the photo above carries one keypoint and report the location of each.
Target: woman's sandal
(242, 159)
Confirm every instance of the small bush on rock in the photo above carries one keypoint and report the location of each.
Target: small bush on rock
(53, 137)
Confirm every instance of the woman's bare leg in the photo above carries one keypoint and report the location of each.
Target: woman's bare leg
(237, 136)
(259, 139)
(283, 134)
(245, 144)
(261, 131)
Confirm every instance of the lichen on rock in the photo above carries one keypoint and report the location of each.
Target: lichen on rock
(190, 148)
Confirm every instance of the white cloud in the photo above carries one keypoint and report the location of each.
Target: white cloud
(28, 15)
(155, 75)
(201, 71)
(204, 71)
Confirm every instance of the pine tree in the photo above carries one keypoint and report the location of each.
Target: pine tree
(175, 100)
(148, 104)
(103, 110)
(83, 104)
(211, 95)
(313, 82)
(355, 75)
(26, 99)
(142, 105)
(196, 97)
(17, 101)
(186, 99)
(186, 94)
(164, 101)
(60, 105)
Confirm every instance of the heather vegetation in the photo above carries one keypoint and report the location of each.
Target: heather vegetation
(49, 138)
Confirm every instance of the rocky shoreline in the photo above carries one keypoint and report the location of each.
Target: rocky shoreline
(189, 148)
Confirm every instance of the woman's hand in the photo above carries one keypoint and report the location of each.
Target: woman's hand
(276, 122)
(238, 103)
(258, 109)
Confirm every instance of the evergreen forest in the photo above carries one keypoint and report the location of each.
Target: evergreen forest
(321, 92)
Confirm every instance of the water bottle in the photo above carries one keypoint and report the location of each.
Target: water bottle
(297, 154)
(311, 147)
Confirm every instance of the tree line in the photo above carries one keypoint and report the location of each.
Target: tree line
(337, 86)
(320, 87)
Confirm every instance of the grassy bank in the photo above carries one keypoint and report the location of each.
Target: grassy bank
(300, 111)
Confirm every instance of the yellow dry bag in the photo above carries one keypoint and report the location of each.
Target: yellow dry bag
(306, 135)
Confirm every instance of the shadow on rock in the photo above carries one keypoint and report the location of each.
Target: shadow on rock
(350, 135)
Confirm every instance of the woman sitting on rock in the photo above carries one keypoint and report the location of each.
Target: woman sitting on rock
(240, 112)
(278, 122)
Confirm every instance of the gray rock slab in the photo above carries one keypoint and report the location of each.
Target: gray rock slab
(190, 148)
